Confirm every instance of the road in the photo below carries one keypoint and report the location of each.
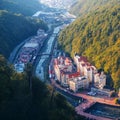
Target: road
(74, 100)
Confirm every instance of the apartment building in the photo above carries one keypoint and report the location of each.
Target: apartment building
(100, 79)
(84, 67)
(68, 77)
(63, 67)
(76, 83)
(89, 71)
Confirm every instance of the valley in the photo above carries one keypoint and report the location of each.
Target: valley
(46, 54)
(75, 56)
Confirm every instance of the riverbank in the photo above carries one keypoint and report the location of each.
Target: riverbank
(45, 54)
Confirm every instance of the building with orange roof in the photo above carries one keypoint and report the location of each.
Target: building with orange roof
(64, 73)
(84, 67)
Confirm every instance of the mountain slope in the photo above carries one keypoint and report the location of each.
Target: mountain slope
(14, 28)
(97, 36)
(84, 6)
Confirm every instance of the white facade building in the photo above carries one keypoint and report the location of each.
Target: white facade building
(100, 80)
(77, 83)
(84, 67)
(64, 73)
(62, 67)
(85, 74)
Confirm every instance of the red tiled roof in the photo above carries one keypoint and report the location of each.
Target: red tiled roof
(77, 74)
(82, 58)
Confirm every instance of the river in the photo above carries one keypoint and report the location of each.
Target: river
(45, 54)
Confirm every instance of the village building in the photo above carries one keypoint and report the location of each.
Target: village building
(84, 67)
(67, 76)
(62, 67)
(103, 91)
(119, 93)
(78, 82)
(100, 80)
(84, 74)
(29, 50)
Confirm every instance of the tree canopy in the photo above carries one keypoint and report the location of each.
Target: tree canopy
(81, 7)
(14, 28)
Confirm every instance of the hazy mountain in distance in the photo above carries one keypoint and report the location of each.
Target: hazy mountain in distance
(58, 3)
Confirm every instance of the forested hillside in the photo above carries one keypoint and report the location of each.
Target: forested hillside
(14, 28)
(84, 6)
(19, 102)
(25, 7)
(97, 36)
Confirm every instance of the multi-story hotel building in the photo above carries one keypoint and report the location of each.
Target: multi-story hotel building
(65, 74)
